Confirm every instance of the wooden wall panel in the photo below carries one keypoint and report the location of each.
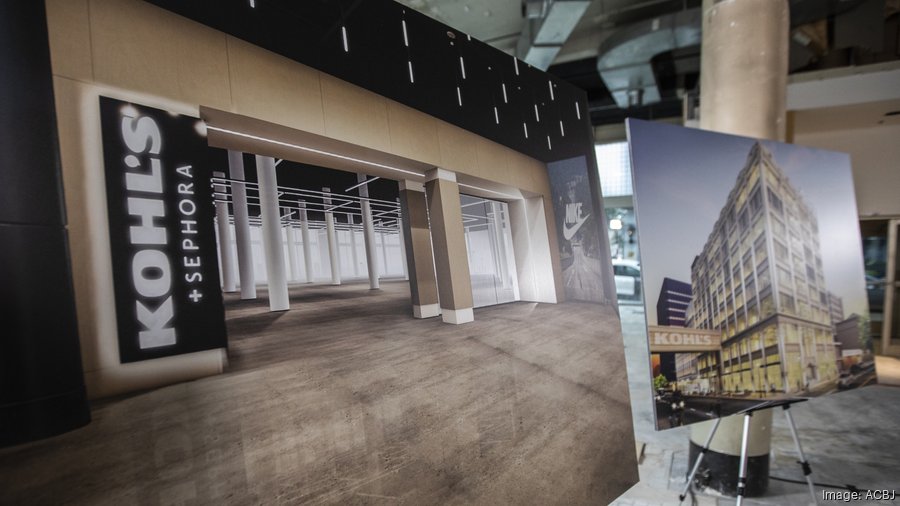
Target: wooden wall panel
(355, 115)
(272, 88)
(413, 134)
(68, 22)
(137, 46)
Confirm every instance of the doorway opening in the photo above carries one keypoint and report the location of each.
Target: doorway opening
(492, 265)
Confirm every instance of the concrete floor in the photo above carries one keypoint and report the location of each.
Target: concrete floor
(346, 399)
(849, 438)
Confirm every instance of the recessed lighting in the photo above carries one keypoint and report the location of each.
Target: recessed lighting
(489, 191)
(311, 150)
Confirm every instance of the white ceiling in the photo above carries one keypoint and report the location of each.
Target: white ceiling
(497, 22)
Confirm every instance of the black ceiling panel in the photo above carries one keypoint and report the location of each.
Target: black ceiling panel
(377, 57)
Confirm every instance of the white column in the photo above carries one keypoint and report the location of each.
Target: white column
(402, 241)
(304, 236)
(352, 221)
(368, 234)
(226, 254)
(332, 241)
(292, 244)
(384, 253)
(271, 233)
(241, 225)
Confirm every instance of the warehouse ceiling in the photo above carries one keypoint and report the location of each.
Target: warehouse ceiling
(582, 41)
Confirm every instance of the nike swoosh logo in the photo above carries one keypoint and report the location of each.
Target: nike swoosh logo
(569, 232)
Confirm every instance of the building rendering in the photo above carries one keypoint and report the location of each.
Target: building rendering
(759, 281)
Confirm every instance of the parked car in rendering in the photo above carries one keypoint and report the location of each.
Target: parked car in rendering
(628, 278)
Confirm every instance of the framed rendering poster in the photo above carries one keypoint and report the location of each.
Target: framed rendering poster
(160, 206)
(752, 269)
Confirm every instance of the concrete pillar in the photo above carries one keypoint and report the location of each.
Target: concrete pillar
(271, 233)
(352, 222)
(332, 242)
(419, 256)
(241, 225)
(744, 62)
(291, 237)
(743, 67)
(402, 239)
(451, 260)
(226, 254)
(368, 233)
(304, 236)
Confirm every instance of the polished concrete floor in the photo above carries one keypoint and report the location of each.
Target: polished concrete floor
(851, 437)
(346, 399)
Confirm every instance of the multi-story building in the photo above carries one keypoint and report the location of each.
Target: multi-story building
(673, 301)
(835, 308)
(759, 281)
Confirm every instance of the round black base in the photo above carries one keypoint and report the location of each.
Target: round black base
(42, 418)
(719, 471)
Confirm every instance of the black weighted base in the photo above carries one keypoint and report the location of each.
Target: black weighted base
(719, 471)
(37, 419)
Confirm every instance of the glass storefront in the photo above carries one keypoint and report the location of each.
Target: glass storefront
(614, 165)
(492, 266)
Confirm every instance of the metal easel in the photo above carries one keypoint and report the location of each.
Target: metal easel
(745, 439)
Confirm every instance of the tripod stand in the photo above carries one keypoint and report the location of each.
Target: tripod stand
(745, 438)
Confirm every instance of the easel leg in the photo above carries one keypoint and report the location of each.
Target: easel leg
(807, 470)
(690, 478)
(742, 473)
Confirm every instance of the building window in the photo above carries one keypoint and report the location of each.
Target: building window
(787, 304)
(775, 202)
(614, 164)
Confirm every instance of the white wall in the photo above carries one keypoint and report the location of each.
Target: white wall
(875, 154)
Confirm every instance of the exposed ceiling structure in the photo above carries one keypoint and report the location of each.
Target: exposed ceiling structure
(639, 58)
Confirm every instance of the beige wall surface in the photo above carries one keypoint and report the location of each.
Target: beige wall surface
(132, 50)
(875, 157)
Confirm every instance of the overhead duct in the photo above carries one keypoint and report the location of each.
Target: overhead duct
(624, 61)
(548, 25)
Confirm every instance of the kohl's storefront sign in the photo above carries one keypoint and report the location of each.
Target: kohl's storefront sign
(160, 202)
(681, 339)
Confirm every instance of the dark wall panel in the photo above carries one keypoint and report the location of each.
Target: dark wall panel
(28, 194)
(41, 381)
(377, 58)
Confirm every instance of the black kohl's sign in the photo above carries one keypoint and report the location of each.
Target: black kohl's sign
(165, 271)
